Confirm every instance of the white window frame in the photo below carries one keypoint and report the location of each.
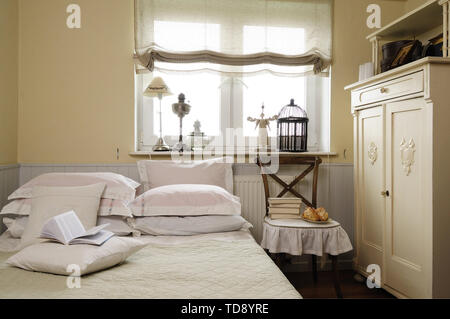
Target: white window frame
(228, 115)
(231, 113)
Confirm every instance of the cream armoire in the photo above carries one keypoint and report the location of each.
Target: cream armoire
(402, 177)
(402, 161)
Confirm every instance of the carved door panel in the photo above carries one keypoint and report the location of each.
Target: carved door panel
(408, 208)
(371, 205)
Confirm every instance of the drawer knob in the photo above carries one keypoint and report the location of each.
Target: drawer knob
(385, 193)
(383, 90)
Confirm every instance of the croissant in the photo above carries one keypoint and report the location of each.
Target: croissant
(323, 215)
(311, 214)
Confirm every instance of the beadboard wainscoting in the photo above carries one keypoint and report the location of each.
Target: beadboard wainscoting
(9, 181)
(335, 192)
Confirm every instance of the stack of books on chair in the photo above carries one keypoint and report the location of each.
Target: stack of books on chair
(284, 208)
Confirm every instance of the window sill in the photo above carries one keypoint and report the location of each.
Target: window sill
(247, 153)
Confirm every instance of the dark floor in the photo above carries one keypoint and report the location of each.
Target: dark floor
(324, 288)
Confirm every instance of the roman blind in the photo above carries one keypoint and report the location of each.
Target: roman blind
(283, 37)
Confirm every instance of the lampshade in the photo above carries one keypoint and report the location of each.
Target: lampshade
(157, 87)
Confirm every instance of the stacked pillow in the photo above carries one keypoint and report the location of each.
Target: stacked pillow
(49, 202)
(108, 207)
(119, 225)
(181, 198)
(187, 209)
(188, 225)
(217, 171)
(75, 260)
(187, 198)
(42, 255)
(113, 207)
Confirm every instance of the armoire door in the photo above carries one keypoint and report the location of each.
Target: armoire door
(409, 204)
(370, 203)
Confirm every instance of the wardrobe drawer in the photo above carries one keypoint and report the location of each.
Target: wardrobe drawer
(407, 84)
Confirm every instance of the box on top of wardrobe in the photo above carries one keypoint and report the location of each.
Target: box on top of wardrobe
(414, 23)
(425, 23)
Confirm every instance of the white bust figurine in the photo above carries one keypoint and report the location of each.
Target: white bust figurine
(262, 124)
(197, 127)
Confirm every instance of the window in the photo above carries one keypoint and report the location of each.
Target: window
(202, 90)
(271, 90)
(224, 96)
(202, 93)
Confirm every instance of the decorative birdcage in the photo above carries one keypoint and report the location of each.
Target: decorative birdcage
(292, 127)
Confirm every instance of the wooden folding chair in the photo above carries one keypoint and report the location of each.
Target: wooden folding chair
(312, 163)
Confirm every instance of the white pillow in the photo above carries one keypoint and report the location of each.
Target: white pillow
(217, 172)
(186, 226)
(48, 202)
(186, 200)
(108, 207)
(117, 224)
(15, 226)
(117, 186)
(54, 258)
(17, 207)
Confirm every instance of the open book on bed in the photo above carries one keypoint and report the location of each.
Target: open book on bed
(67, 229)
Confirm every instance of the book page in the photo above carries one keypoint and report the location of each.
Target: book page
(94, 230)
(70, 225)
(67, 229)
(97, 239)
(50, 230)
(63, 227)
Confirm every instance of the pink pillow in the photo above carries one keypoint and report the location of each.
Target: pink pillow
(108, 207)
(209, 172)
(186, 200)
(117, 186)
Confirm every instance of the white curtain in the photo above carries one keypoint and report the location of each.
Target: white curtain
(283, 37)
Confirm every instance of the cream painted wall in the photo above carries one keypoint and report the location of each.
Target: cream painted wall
(76, 85)
(76, 100)
(412, 4)
(8, 80)
(350, 49)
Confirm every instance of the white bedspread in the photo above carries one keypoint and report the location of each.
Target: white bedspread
(225, 265)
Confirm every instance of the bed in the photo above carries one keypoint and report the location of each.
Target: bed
(220, 265)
